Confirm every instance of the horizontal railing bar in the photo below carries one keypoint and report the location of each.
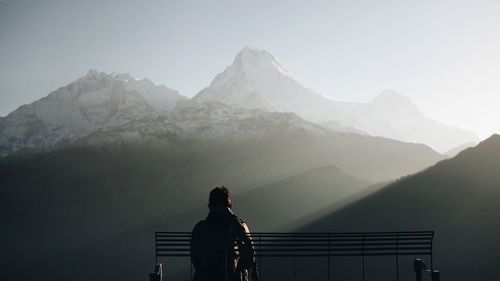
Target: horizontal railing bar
(330, 245)
(316, 246)
(173, 240)
(315, 233)
(339, 240)
(340, 244)
(345, 249)
(320, 250)
(319, 255)
(260, 240)
(343, 234)
(316, 237)
(333, 234)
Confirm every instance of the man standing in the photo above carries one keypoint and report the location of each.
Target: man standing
(221, 245)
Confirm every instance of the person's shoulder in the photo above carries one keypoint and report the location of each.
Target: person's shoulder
(241, 224)
(199, 226)
(236, 219)
(240, 221)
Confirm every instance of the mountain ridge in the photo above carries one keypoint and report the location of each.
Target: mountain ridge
(457, 198)
(255, 81)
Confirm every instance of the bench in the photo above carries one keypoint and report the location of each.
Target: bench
(327, 245)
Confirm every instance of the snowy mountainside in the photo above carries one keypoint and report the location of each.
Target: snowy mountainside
(160, 97)
(95, 101)
(253, 84)
(256, 80)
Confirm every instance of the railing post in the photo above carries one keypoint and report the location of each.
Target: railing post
(397, 256)
(363, 255)
(329, 239)
(156, 248)
(432, 241)
(157, 275)
(294, 256)
(435, 275)
(260, 251)
(418, 266)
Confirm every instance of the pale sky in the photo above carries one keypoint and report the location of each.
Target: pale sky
(444, 55)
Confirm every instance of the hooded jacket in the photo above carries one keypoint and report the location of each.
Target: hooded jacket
(221, 247)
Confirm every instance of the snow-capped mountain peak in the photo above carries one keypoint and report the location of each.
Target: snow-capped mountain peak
(94, 74)
(123, 76)
(253, 59)
(256, 80)
(95, 101)
(250, 54)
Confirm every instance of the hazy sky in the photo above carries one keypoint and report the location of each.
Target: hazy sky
(444, 55)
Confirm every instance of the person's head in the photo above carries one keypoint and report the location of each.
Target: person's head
(219, 197)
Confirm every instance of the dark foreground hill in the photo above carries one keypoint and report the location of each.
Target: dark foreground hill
(458, 198)
(89, 213)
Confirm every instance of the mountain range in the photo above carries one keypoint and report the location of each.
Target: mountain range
(254, 83)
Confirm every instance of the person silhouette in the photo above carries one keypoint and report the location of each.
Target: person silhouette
(221, 244)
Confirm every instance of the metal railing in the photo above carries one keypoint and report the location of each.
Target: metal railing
(346, 244)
